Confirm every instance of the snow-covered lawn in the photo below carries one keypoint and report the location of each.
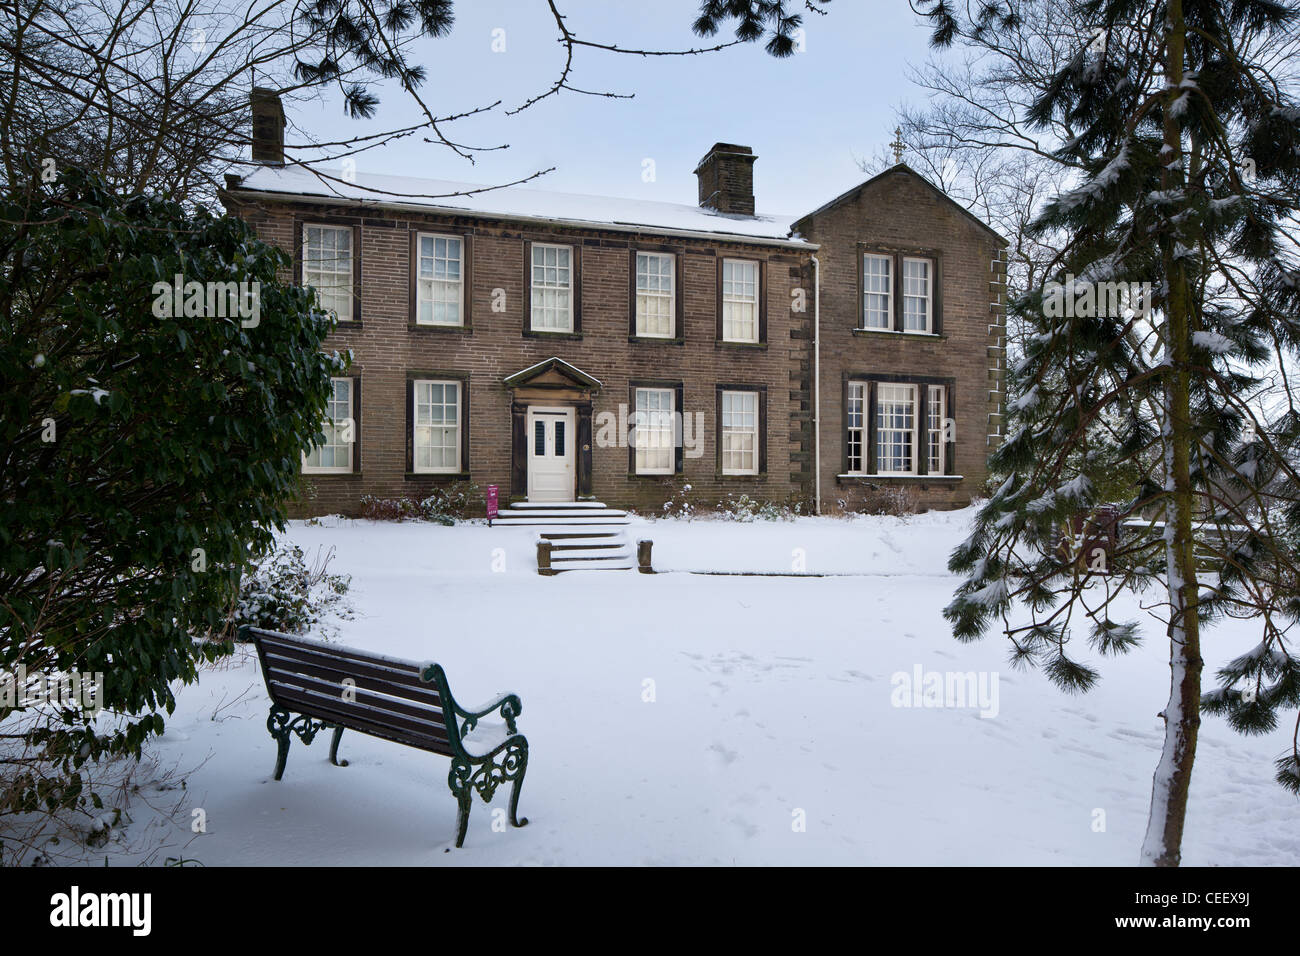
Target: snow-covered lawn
(771, 704)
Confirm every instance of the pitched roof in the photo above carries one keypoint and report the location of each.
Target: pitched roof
(892, 170)
(518, 203)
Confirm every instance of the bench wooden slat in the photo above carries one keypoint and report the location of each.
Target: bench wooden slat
(416, 697)
(337, 650)
(336, 712)
(349, 711)
(402, 670)
(432, 716)
(351, 667)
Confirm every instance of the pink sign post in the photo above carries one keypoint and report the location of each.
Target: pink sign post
(491, 503)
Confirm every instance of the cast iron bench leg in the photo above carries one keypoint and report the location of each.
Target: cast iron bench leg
(278, 723)
(508, 762)
(514, 791)
(282, 725)
(460, 780)
(282, 755)
(334, 748)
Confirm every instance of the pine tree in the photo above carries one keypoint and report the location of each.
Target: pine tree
(1190, 149)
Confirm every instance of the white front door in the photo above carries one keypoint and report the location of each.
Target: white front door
(551, 468)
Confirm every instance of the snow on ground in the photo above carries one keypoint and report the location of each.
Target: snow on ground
(772, 695)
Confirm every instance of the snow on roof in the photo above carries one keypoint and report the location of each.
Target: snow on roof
(517, 202)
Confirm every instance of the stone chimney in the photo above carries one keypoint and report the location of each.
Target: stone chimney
(726, 175)
(268, 126)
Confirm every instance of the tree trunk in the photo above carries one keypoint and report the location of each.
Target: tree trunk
(1173, 776)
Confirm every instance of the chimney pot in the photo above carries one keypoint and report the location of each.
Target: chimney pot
(726, 178)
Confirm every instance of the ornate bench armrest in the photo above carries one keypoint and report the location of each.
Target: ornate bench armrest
(508, 705)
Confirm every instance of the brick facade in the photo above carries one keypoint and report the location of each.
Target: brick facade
(495, 343)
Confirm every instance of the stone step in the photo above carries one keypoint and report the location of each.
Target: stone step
(587, 549)
(579, 533)
(593, 564)
(584, 557)
(566, 522)
(586, 545)
(546, 505)
(577, 514)
(570, 518)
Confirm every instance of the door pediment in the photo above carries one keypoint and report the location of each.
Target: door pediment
(554, 374)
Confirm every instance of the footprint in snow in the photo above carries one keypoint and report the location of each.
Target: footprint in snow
(726, 756)
(1087, 752)
(1121, 733)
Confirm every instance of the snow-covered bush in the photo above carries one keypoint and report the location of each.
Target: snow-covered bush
(678, 504)
(744, 508)
(283, 594)
(389, 509)
(444, 506)
(51, 815)
(896, 501)
(453, 503)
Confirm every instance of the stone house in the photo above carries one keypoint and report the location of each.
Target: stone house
(566, 347)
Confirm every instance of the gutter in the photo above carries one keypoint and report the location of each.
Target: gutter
(817, 382)
(513, 217)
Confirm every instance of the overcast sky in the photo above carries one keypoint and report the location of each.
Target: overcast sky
(807, 117)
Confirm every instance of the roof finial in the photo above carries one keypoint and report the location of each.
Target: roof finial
(898, 145)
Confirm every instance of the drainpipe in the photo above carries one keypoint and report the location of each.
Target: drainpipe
(817, 382)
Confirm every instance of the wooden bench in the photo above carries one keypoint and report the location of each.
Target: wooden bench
(314, 686)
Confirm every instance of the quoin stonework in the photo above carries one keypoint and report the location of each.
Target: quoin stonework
(566, 347)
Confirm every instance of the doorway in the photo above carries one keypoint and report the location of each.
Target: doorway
(551, 470)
